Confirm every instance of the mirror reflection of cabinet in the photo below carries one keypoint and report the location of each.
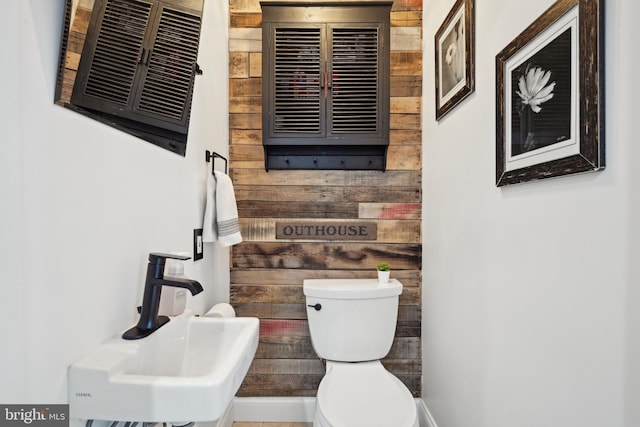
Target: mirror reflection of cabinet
(131, 64)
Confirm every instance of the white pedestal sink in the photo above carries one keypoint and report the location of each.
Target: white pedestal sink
(188, 370)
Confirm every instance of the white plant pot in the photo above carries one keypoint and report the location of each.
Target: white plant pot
(383, 276)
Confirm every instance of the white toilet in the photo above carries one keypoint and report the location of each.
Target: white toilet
(352, 324)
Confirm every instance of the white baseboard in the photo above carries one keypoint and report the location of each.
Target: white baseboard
(426, 419)
(225, 421)
(295, 410)
(274, 409)
(228, 417)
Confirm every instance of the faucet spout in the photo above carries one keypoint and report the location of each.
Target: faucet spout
(192, 286)
(149, 320)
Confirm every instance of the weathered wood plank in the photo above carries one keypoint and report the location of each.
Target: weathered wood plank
(246, 152)
(72, 62)
(76, 42)
(286, 327)
(255, 64)
(406, 63)
(408, 105)
(405, 348)
(403, 366)
(245, 20)
(405, 137)
(408, 329)
(245, 40)
(258, 229)
(399, 5)
(304, 366)
(260, 209)
(410, 313)
(409, 296)
(243, 153)
(281, 347)
(280, 385)
(293, 294)
(246, 87)
(245, 137)
(406, 19)
(390, 210)
(404, 157)
(238, 65)
(406, 86)
(406, 38)
(245, 120)
(81, 20)
(247, 164)
(245, 104)
(405, 121)
(270, 310)
(326, 255)
(311, 193)
(279, 276)
(300, 347)
(246, 6)
(324, 178)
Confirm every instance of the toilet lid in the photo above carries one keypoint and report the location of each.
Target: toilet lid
(365, 394)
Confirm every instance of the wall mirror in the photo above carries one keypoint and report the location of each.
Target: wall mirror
(131, 64)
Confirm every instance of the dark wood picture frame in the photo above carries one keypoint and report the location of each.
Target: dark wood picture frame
(550, 96)
(455, 71)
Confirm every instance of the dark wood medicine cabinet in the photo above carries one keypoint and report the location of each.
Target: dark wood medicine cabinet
(131, 64)
(325, 84)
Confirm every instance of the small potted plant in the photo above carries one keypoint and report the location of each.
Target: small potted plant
(384, 271)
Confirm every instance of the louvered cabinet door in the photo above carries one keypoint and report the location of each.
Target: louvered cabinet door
(111, 56)
(164, 96)
(356, 87)
(296, 78)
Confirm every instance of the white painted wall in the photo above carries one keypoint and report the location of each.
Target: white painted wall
(84, 204)
(530, 291)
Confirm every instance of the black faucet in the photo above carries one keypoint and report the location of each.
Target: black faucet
(149, 319)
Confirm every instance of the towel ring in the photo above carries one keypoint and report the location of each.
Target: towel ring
(212, 155)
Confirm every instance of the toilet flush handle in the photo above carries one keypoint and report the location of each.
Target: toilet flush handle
(317, 306)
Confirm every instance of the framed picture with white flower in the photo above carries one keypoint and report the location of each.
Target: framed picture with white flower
(454, 47)
(550, 96)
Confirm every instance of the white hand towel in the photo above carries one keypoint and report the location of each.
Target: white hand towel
(220, 213)
(226, 211)
(209, 226)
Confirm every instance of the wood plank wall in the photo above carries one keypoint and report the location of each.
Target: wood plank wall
(267, 274)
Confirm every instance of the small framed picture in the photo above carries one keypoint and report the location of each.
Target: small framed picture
(550, 96)
(454, 47)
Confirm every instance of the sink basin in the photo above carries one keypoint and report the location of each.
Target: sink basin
(188, 370)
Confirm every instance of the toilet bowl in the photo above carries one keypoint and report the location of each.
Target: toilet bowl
(352, 324)
(363, 395)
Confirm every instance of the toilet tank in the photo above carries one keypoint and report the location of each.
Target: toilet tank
(352, 320)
